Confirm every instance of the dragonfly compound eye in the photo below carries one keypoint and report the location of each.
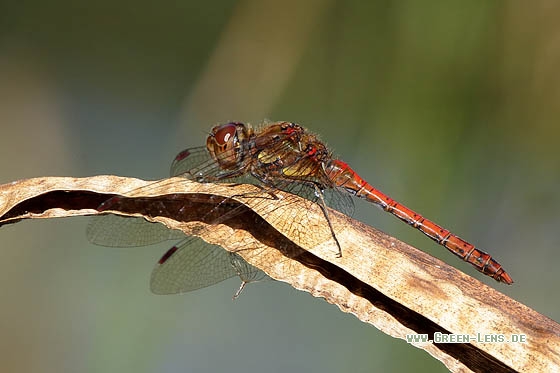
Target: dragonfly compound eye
(224, 134)
(224, 144)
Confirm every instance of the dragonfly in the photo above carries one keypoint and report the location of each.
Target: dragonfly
(278, 155)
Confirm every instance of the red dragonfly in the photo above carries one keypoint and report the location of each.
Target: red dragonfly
(281, 155)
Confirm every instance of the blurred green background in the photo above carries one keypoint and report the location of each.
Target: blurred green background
(449, 107)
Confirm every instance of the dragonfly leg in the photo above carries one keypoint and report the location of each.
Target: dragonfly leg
(240, 290)
(323, 205)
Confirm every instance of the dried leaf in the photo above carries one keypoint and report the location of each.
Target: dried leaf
(384, 282)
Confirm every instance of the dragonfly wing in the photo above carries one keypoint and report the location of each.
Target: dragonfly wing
(121, 231)
(197, 164)
(188, 161)
(246, 272)
(194, 264)
(339, 200)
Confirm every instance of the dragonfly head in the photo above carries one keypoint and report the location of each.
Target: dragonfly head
(225, 143)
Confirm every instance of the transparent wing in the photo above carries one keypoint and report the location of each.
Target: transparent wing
(191, 264)
(339, 200)
(194, 264)
(121, 231)
(334, 197)
(190, 161)
(197, 164)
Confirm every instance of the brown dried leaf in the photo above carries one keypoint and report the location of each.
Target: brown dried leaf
(381, 280)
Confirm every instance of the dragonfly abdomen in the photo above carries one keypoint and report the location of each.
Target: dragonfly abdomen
(343, 176)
